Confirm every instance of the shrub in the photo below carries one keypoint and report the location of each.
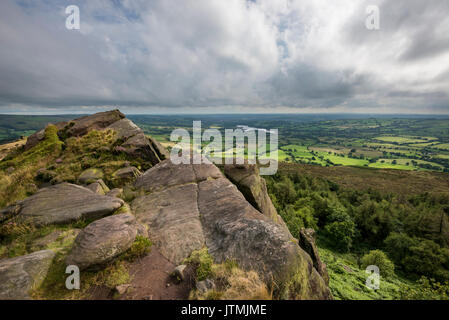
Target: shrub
(379, 258)
(139, 248)
(203, 262)
(340, 234)
(428, 289)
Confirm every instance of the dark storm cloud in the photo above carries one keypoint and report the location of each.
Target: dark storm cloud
(148, 55)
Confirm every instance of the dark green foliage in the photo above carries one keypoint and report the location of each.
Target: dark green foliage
(413, 231)
(379, 259)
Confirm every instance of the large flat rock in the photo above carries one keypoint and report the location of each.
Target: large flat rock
(65, 203)
(173, 219)
(167, 174)
(192, 205)
(19, 275)
(102, 241)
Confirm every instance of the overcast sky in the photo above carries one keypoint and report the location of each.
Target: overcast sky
(220, 56)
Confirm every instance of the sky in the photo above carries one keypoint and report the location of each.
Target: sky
(225, 56)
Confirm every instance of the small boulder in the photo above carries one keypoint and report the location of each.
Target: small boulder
(205, 285)
(19, 275)
(102, 241)
(125, 129)
(122, 289)
(307, 243)
(115, 193)
(62, 203)
(179, 272)
(126, 175)
(90, 176)
(99, 187)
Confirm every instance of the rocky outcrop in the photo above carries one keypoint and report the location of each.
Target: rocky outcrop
(307, 242)
(181, 208)
(64, 203)
(195, 205)
(98, 121)
(102, 241)
(247, 179)
(38, 136)
(136, 144)
(19, 275)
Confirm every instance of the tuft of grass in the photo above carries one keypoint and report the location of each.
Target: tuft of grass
(233, 283)
(139, 248)
(202, 261)
(53, 287)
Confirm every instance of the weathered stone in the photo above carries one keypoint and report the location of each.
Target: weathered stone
(190, 204)
(179, 272)
(161, 152)
(167, 174)
(307, 243)
(205, 285)
(125, 129)
(142, 230)
(122, 289)
(98, 121)
(247, 179)
(235, 230)
(140, 146)
(115, 193)
(126, 175)
(99, 187)
(38, 136)
(34, 139)
(90, 176)
(9, 212)
(65, 203)
(96, 187)
(102, 241)
(173, 220)
(19, 275)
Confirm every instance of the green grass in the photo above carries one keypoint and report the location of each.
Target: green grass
(442, 146)
(400, 140)
(348, 281)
